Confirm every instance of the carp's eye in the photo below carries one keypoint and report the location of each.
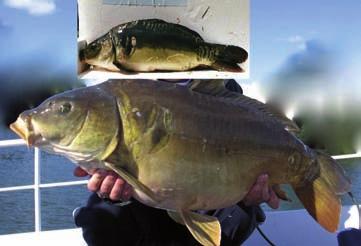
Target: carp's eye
(92, 50)
(93, 46)
(65, 108)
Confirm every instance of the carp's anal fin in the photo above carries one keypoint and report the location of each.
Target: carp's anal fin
(176, 217)
(216, 87)
(205, 229)
(130, 179)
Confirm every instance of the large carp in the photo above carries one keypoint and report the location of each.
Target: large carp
(184, 149)
(155, 45)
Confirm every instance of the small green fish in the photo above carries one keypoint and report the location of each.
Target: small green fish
(186, 148)
(156, 45)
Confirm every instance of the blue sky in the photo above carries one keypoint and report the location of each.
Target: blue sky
(38, 33)
(281, 27)
(44, 31)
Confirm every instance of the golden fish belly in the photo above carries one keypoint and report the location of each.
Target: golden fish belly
(151, 59)
(186, 175)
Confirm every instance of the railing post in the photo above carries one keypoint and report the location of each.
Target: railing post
(37, 202)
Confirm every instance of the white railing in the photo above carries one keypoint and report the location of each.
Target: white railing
(37, 184)
(349, 156)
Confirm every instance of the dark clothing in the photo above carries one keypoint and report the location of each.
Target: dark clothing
(232, 85)
(105, 223)
(349, 237)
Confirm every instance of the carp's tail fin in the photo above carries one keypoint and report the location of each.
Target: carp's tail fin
(321, 197)
(227, 57)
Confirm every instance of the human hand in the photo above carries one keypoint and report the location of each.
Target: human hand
(107, 184)
(262, 192)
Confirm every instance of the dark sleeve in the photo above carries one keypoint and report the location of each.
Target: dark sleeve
(232, 85)
(349, 237)
(238, 222)
(256, 217)
(104, 223)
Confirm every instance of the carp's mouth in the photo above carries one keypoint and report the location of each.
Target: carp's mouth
(24, 129)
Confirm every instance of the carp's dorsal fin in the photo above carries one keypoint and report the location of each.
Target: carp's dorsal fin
(217, 87)
(161, 26)
(213, 87)
(204, 228)
(157, 26)
(130, 179)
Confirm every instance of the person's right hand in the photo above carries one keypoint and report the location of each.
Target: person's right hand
(107, 184)
(261, 192)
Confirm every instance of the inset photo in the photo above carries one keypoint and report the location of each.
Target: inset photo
(156, 39)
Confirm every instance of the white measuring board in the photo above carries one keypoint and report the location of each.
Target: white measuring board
(223, 22)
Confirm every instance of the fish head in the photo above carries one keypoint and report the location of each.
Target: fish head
(81, 124)
(99, 52)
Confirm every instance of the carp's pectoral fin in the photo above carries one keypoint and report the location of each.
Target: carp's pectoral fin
(122, 69)
(130, 179)
(281, 194)
(205, 229)
(176, 217)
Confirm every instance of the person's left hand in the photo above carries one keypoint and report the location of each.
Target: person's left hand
(107, 184)
(261, 192)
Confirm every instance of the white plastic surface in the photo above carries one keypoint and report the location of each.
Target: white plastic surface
(69, 237)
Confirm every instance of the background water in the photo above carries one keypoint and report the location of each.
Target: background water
(57, 204)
